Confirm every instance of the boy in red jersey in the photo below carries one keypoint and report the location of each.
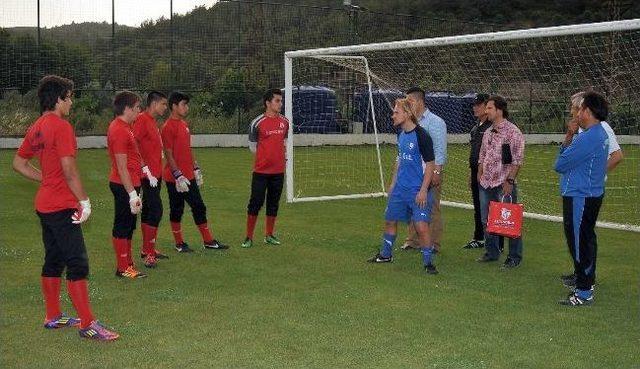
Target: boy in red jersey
(145, 130)
(62, 205)
(267, 135)
(183, 175)
(124, 180)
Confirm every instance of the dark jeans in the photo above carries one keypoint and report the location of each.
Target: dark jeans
(491, 242)
(151, 204)
(478, 232)
(63, 246)
(124, 223)
(579, 216)
(191, 197)
(269, 185)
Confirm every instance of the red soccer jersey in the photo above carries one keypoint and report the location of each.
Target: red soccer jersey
(120, 140)
(269, 134)
(177, 138)
(147, 134)
(49, 139)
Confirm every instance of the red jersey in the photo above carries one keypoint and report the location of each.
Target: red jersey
(147, 134)
(269, 134)
(49, 139)
(120, 140)
(177, 138)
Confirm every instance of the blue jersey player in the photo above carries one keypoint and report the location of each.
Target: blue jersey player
(410, 199)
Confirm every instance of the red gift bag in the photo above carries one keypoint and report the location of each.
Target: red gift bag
(505, 219)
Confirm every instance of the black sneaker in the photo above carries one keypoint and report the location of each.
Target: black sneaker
(485, 259)
(510, 264)
(183, 247)
(474, 244)
(430, 269)
(215, 245)
(574, 300)
(380, 259)
(569, 280)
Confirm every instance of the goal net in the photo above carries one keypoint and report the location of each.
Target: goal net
(339, 101)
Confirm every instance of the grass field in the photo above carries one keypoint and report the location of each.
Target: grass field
(313, 302)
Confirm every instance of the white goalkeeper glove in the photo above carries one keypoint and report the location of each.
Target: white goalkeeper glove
(82, 214)
(153, 181)
(135, 203)
(198, 174)
(182, 183)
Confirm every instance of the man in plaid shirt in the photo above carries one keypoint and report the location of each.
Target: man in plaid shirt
(501, 156)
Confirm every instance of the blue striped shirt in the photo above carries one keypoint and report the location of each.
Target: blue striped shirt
(437, 130)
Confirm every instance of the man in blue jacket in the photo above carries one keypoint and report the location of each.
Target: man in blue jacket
(582, 165)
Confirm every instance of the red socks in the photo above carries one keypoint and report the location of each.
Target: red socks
(149, 234)
(129, 255)
(177, 232)
(271, 223)
(51, 293)
(79, 294)
(205, 232)
(251, 225)
(121, 246)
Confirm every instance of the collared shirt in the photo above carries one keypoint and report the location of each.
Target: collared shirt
(494, 173)
(437, 130)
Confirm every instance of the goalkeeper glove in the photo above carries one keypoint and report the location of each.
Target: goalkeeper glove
(135, 203)
(182, 183)
(153, 181)
(82, 214)
(198, 174)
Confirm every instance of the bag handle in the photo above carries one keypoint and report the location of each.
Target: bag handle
(503, 196)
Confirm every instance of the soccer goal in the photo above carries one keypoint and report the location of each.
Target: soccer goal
(339, 102)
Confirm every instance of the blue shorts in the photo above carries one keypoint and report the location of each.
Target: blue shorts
(402, 207)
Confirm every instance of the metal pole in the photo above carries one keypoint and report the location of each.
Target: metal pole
(113, 45)
(38, 23)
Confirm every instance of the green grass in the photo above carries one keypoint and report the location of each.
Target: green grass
(313, 302)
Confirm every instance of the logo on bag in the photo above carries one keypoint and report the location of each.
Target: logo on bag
(506, 213)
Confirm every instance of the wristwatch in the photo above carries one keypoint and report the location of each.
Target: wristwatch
(511, 181)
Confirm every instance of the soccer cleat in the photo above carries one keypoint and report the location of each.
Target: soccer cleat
(98, 332)
(150, 261)
(61, 321)
(183, 247)
(510, 264)
(574, 300)
(430, 269)
(248, 242)
(272, 240)
(215, 245)
(380, 259)
(131, 272)
(474, 244)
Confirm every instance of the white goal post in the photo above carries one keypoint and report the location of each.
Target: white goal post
(367, 59)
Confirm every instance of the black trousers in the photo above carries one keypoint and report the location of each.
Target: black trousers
(151, 203)
(269, 186)
(192, 197)
(63, 246)
(579, 217)
(124, 223)
(478, 232)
